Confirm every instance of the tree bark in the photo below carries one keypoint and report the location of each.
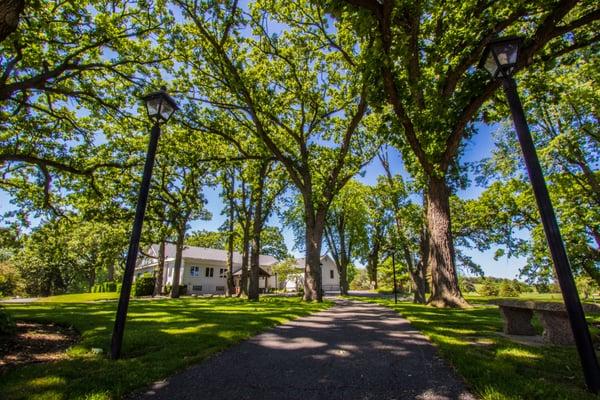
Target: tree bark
(110, 271)
(445, 291)
(312, 269)
(229, 288)
(257, 203)
(245, 257)
(158, 284)
(177, 267)
(373, 260)
(10, 12)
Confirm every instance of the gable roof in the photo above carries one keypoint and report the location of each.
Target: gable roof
(300, 262)
(203, 253)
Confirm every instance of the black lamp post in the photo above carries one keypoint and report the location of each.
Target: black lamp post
(499, 59)
(160, 106)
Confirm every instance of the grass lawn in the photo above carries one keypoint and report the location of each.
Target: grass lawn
(161, 337)
(495, 368)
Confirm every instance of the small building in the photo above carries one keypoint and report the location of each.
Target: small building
(204, 270)
(330, 277)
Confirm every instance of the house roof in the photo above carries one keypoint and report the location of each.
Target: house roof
(203, 253)
(261, 272)
(300, 262)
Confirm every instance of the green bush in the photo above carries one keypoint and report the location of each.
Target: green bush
(110, 286)
(144, 286)
(7, 325)
(118, 288)
(182, 289)
(488, 288)
(509, 289)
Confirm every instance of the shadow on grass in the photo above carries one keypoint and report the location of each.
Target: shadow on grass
(495, 367)
(161, 337)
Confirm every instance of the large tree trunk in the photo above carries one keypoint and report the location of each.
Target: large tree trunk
(445, 291)
(10, 11)
(312, 270)
(343, 271)
(177, 267)
(257, 203)
(245, 258)
(158, 285)
(229, 288)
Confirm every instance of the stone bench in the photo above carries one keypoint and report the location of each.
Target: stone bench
(553, 316)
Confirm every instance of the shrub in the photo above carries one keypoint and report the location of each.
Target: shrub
(118, 288)
(466, 286)
(144, 286)
(9, 280)
(509, 289)
(488, 288)
(110, 286)
(7, 325)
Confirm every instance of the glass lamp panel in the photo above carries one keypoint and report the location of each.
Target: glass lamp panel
(490, 64)
(166, 111)
(153, 106)
(507, 53)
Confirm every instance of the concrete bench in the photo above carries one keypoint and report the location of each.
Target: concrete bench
(553, 316)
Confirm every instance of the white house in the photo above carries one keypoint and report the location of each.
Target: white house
(330, 278)
(204, 270)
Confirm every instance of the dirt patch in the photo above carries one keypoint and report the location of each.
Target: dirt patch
(35, 343)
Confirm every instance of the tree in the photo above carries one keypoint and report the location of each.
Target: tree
(300, 92)
(562, 100)
(422, 61)
(345, 228)
(410, 236)
(10, 12)
(71, 72)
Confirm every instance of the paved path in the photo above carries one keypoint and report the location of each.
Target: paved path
(354, 350)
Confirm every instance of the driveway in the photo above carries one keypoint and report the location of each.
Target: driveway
(353, 350)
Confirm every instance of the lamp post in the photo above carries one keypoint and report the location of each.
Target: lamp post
(394, 272)
(160, 106)
(499, 59)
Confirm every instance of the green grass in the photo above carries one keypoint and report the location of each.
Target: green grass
(79, 297)
(495, 368)
(161, 337)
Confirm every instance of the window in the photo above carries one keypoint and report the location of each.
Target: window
(331, 274)
(220, 288)
(195, 271)
(222, 273)
(197, 288)
(209, 272)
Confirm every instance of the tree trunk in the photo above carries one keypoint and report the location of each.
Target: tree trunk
(257, 204)
(444, 291)
(177, 267)
(158, 285)
(245, 257)
(343, 271)
(110, 271)
(91, 279)
(10, 11)
(312, 269)
(229, 288)
(373, 263)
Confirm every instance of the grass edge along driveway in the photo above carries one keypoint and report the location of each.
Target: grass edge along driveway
(161, 338)
(494, 367)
